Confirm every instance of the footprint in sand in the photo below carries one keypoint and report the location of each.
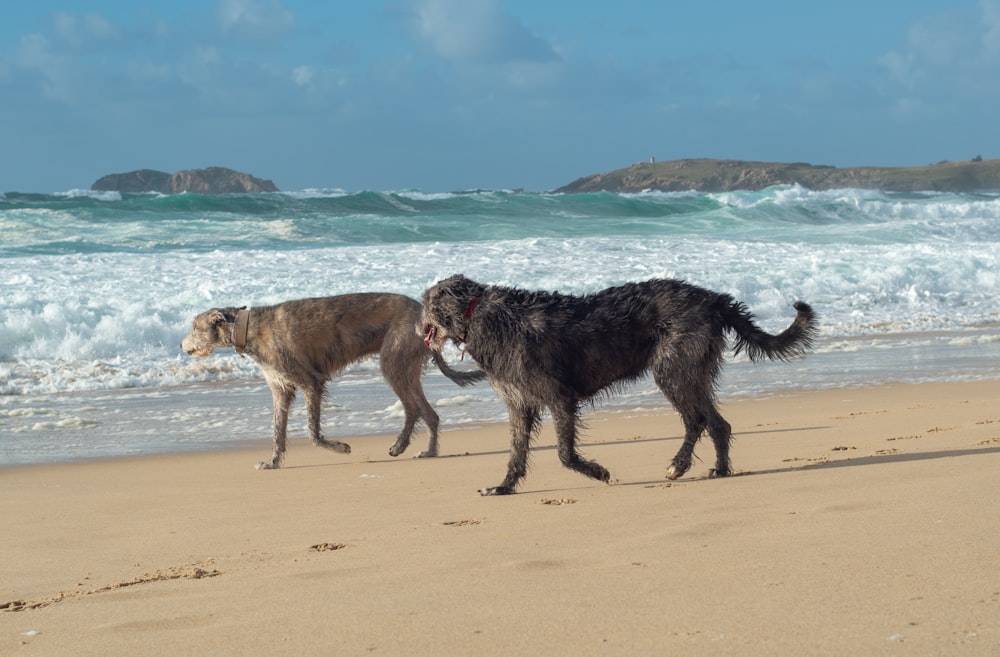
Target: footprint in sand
(851, 416)
(327, 547)
(189, 571)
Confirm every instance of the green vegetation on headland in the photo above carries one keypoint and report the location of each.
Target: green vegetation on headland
(707, 175)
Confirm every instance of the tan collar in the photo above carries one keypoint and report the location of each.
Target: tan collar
(240, 326)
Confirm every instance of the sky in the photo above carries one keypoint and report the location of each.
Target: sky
(447, 95)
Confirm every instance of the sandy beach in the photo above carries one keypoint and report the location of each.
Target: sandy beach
(863, 521)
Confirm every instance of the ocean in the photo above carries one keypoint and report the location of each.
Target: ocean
(97, 290)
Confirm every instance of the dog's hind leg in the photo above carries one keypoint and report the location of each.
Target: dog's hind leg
(689, 401)
(566, 421)
(416, 406)
(281, 396)
(314, 408)
(432, 421)
(687, 377)
(403, 439)
(694, 425)
(523, 424)
(696, 420)
(406, 384)
(722, 435)
(697, 417)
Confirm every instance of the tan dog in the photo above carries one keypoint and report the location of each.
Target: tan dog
(305, 343)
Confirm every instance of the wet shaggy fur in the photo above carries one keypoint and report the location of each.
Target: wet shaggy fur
(542, 349)
(305, 343)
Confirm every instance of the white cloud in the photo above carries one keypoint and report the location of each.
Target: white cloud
(302, 75)
(900, 69)
(957, 49)
(475, 32)
(79, 31)
(51, 71)
(991, 28)
(264, 22)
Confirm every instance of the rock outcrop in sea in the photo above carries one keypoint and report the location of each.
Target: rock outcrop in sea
(213, 180)
(708, 175)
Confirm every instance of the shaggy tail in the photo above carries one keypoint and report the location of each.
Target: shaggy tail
(461, 378)
(794, 341)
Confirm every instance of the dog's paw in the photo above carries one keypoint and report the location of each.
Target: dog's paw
(716, 473)
(496, 490)
(427, 454)
(266, 465)
(676, 472)
(335, 445)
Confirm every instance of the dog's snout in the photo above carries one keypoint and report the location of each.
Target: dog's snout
(189, 346)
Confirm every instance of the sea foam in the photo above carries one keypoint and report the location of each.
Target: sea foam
(97, 290)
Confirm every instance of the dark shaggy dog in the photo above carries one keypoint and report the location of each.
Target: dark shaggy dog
(304, 343)
(543, 349)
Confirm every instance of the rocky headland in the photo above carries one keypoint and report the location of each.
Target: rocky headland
(708, 175)
(213, 180)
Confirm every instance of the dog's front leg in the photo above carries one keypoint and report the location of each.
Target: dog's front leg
(523, 423)
(566, 421)
(281, 397)
(314, 408)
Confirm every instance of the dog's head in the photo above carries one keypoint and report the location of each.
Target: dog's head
(210, 329)
(447, 310)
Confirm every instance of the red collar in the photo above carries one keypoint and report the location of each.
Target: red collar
(472, 306)
(468, 314)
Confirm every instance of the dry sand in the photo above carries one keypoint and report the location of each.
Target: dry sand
(864, 522)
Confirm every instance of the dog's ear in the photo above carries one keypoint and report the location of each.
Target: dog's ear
(215, 317)
(452, 286)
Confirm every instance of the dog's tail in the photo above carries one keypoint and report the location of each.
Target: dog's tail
(461, 378)
(794, 341)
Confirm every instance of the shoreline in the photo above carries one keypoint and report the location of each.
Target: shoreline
(81, 426)
(261, 446)
(865, 509)
(251, 435)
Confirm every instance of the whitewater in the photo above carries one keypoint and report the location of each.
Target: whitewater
(97, 290)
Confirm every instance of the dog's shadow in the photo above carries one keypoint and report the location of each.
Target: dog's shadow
(875, 459)
(878, 459)
(547, 447)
